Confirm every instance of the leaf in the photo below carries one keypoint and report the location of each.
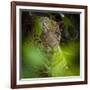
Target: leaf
(34, 61)
(65, 60)
(67, 22)
(37, 25)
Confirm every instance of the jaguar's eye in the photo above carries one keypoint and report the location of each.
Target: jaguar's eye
(57, 33)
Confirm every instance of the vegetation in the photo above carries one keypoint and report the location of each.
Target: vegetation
(50, 45)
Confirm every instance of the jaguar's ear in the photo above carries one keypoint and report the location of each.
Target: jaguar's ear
(61, 24)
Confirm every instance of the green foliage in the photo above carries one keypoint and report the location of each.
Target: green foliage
(66, 60)
(67, 22)
(63, 62)
(34, 60)
(37, 26)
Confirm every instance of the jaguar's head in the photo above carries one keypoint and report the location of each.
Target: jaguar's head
(51, 32)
